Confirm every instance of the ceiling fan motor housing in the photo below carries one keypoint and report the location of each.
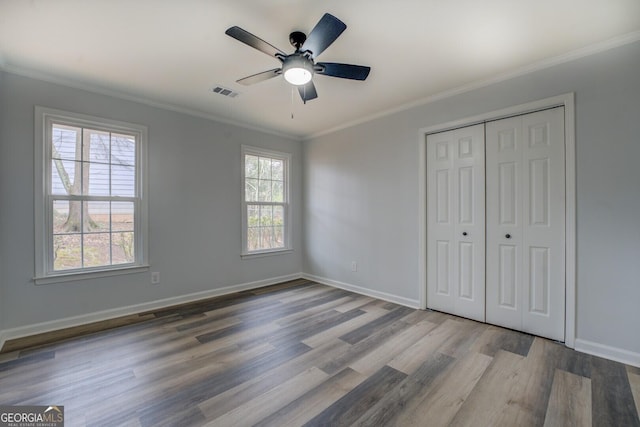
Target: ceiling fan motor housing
(297, 39)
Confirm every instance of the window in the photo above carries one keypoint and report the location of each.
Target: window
(265, 210)
(90, 205)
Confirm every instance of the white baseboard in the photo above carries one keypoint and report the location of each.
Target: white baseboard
(608, 352)
(83, 319)
(363, 291)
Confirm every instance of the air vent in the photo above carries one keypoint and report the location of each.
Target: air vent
(221, 90)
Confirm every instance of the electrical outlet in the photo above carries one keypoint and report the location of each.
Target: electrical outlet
(155, 277)
(354, 266)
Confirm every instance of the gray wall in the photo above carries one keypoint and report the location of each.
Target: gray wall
(361, 190)
(194, 206)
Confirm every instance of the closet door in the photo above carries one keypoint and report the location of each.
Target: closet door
(526, 223)
(455, 222)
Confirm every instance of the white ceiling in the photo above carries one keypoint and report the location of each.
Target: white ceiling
(173, 52)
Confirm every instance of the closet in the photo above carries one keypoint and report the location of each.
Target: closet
(496, 222)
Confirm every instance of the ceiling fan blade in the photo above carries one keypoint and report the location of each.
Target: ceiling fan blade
(323, 34)
(253, 41)
(260, 77)
(344, 71)
(307, 91)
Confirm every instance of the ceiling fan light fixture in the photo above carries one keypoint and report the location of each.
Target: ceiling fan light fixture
(297, 70)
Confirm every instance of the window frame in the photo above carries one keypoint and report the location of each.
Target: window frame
(44, 272)
(286, 203)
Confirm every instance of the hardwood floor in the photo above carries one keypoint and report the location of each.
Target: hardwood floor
(301, 353)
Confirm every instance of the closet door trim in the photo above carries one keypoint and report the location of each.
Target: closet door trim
(568, 102)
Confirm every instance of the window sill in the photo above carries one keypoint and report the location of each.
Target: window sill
(252, 255)
(86, 275)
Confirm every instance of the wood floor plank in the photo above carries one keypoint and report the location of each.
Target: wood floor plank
(356, 302)
(366, 330)
(395, 402)
(371, 362)
(311, 311)
(634, 382)
(230, 399)
(492, 393)
(313, 325)
(342, 360)
(465, 335)
(333, 333)
(316, 400)
(529, 398)
(570, 401)
(346, 410)
(408, 361)
(612, 399)
(440, 403)
(252, 411)
(5, 357)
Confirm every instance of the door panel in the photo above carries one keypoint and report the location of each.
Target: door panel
(455, 222)
(508, 279)
(443, 268)
(525, 212)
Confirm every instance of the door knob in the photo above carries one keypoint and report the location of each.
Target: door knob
(508, 236)
(464, 233)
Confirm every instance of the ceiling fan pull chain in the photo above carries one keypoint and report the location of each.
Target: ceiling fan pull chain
(292, 90)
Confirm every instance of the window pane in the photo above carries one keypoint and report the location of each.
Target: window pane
(61, 215)
(96, 179)
(96, 216)
(278, 237)
(122, 216)
(67, 217)
(67, 252)
(123, 248)
(123, 181)
(266, 216)
(253, 237)
(250, 166)
(265, 168)
(266, 236)
(253, 216)
(96, 250)
(97, 144)
(278, 215)
(277, 170)
(264, 188)
(123, 149)
(65, 140)
(277, 192)
(251, 190)
(63, 173)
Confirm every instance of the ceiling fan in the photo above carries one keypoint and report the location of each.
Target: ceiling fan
(299, 67)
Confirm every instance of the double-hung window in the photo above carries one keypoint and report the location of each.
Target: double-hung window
(90, 196)
(265, 202)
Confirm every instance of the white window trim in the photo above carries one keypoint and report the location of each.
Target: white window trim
(44, 273)
(246, 254)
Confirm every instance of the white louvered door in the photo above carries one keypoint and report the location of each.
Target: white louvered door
(526, 223)
(455, 222)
